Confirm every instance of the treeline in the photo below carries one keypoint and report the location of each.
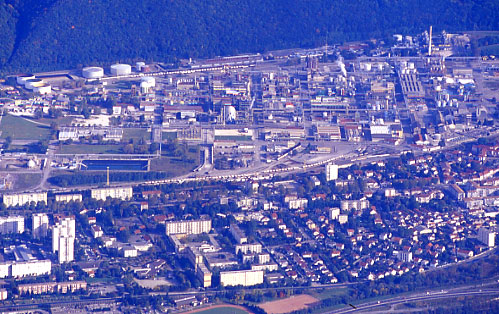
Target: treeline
(65, 180)
(54, 34)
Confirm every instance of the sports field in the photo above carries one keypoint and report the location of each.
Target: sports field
(221, 309)
(293, 303)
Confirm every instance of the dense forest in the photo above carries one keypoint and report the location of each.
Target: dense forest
(53, 34)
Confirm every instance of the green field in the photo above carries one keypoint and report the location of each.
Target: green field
(223, 310)
(169, 135)
(136, 134)
(90, 149)
(19, 128)
(327, 293)
(173, 165)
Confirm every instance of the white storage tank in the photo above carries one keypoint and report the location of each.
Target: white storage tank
(31, 84)
(410, 65)
(21, 79)
(230, 113)
(151, 81)
(139, 65)
(43, 89)
(367, 67)
(120, 69)
(93, 72)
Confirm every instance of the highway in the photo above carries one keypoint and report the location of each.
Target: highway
(429, 296)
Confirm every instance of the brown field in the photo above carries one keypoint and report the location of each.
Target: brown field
(293, 303)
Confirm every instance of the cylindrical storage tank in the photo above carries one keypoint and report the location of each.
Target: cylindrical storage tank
(43, 89)
(93, 72)
(149, 80)
(121, 69)
(438, 88)
(367, 67)
(21, 79)
(31, 84)
(410, 65)
(230, 113)
(139, 65)
(144, 87)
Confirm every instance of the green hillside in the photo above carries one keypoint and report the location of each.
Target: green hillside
(54, 34)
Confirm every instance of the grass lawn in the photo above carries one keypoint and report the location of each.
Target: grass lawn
(173, 165)
(169, 135)
(136, 134)
(327, 293)
(19, 128)
(60, 121)
(24, 181)
(90, 149)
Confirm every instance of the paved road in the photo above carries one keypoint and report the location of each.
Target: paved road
(434, 295)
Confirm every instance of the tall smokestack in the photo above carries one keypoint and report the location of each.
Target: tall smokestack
(429, 45)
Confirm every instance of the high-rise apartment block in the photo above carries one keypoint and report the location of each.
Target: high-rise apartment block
(63, 237)
(40, 225)
(487, 237)
(331, 172)
(11, 224)
(188, 227)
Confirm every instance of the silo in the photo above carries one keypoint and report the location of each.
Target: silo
(93, 72)
(149, 80)
(230, 113)
(32, 83)
(139, 65)
(120, 69)
(21, 79)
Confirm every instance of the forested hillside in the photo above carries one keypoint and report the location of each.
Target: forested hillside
(54, 34)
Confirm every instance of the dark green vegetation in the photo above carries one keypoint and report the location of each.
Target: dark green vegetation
(54, 34)
(86, 179)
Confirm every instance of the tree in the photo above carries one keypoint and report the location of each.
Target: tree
(128, 149)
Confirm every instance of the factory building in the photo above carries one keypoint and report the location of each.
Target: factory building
(11, 224)
(188, 227)
(24, 198)
(40, 225)
(75, 133)
(123, 193)
(25, 264)
(241, 278)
